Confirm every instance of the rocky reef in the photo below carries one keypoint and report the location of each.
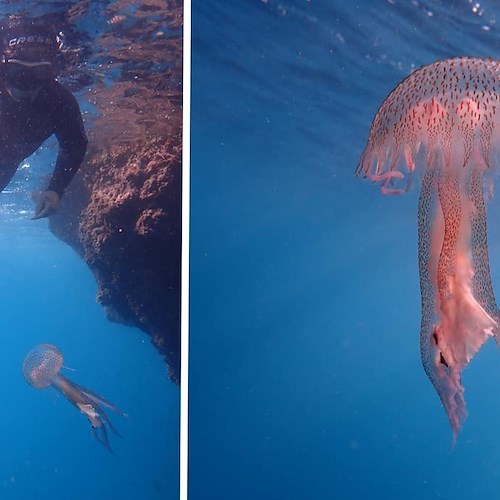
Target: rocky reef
(121, 214)
(122, 211)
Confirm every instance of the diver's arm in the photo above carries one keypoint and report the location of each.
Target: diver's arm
(72, 139)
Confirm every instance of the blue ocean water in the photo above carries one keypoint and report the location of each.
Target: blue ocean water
(48, 295)
(305, 372)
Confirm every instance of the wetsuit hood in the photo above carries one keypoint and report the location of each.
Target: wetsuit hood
(29, 40)
(29, 56)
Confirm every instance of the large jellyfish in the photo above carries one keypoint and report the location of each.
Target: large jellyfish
(41, 369)
(443, 121)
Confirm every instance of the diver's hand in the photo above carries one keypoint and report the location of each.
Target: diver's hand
(46, 204)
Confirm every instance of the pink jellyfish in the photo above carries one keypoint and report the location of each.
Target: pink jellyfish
(41, 369)
(444, 120)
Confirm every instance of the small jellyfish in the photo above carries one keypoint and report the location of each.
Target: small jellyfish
(41, 368)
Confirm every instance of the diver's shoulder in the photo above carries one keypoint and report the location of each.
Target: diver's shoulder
(57, 93)
(58, 88)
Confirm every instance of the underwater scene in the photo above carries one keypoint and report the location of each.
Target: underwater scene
(344, 250)
(90, 168)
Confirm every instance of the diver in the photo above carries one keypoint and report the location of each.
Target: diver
(33, 106)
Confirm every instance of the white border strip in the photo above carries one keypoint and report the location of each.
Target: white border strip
(186, 149)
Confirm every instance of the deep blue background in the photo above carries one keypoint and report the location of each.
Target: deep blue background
(305, 372)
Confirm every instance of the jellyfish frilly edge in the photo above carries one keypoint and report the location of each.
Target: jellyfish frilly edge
(443, 122)
(41, 369)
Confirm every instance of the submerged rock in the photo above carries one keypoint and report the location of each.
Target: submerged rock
(121, 214)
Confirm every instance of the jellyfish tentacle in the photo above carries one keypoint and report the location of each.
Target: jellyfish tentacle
(98, 399)
(100, 435)
(94, 402)
(455, 322)
(435, 365)
(77, 398)
(426, 204)
(449, 201)
(89, 404)
(100, 413)
(448, 367)
(434, 244)
(481, 283)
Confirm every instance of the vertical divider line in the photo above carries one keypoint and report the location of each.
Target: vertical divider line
(186, 145)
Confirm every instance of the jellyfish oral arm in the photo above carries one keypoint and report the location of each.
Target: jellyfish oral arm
(454, 322)
(91, 413)
(99, 400)
(89, 404)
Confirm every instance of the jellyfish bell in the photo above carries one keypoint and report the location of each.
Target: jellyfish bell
(443, 121)
(41, 365)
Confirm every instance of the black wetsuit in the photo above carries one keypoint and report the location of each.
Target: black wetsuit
(24, 126)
